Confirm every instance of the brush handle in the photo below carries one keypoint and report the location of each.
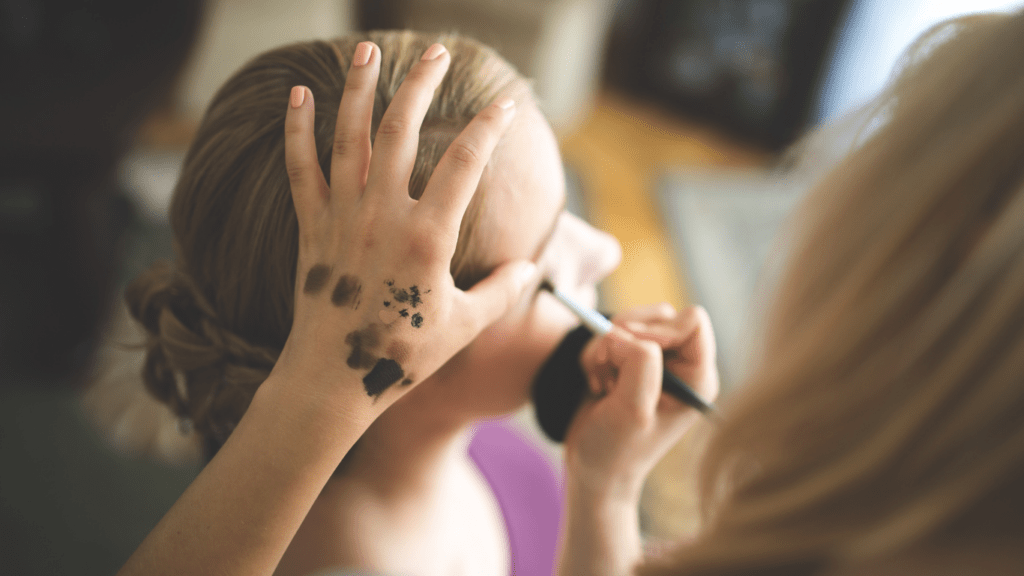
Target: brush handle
(673, 386)
(599, 324)
(560, 386)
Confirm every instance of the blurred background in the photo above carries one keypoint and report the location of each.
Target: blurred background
(672, 117)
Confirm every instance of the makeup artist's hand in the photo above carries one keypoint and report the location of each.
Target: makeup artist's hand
(686, 338)
(629, 424)
(376, 308)
(625, 428)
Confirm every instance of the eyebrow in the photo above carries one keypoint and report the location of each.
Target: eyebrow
(551, 231)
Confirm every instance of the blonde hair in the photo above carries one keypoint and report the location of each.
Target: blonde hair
(887, 411)
(218, 317)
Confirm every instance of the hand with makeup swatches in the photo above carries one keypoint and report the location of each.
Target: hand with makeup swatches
(376, 312)
(390, 315)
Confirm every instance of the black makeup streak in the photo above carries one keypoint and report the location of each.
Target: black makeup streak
(361, 342)
(387, 303)
(346, 291)
(401, 295)
(407, 381)
(414, 296)
(417, 320)
(317, 278)
(384, 373)
(404, 312)
(389, 282)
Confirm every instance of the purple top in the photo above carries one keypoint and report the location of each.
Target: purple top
(528, 492)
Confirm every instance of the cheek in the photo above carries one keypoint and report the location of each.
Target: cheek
(525, 342)
(502, 362)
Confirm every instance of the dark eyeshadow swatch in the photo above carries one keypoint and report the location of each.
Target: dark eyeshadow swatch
(361, 342)
(384, 373)
(317, 278)
(346, 291)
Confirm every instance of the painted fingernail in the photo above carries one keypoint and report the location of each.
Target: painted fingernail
(434, 52)
(505, 103)
(298, 96)
(362, 55)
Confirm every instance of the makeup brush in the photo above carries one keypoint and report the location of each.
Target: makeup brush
(561, 386)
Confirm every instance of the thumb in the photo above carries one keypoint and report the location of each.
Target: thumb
(494, 296)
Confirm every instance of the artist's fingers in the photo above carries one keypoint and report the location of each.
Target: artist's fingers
(700, 342)
(648, 313)
(351, 156)
(494, 296)
(594, 362)
(394, 149)
(456, 176)
(307, 182)
(688, 336)
(639, 366)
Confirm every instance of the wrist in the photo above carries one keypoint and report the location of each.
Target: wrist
(316, 396)
(602, 532)
(602, 486)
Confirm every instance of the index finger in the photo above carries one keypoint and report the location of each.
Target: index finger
(640, 369)
(456, 176)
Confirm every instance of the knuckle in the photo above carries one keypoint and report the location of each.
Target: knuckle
(357, 82)
(346, 142)
(664, 309)
(640, 417)
(297, 173)
(392, 128)
(648, 350)
(465, 154)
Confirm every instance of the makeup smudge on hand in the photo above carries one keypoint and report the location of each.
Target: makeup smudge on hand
(316, 279)
(346, 291)
(362, 341)
(383, 372)
(413, 296)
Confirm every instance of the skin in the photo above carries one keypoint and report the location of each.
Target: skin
(244, 508)
(626, 427)
(392, 509)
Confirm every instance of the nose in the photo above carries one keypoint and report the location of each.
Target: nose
(600, 252)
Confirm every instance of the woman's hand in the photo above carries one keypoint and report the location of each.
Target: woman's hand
(628, 425)
(367, 252)
(374, 299)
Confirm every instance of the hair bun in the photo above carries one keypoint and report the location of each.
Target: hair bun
(193, 364)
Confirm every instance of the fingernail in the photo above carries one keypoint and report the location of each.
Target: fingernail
(362, 55)
(505, 103)
(434, 52)
(298, 96)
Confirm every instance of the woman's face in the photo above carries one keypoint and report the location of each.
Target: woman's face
(525, 218)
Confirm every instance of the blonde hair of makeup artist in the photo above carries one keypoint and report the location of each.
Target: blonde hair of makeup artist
(883, 428)
(235, 231)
